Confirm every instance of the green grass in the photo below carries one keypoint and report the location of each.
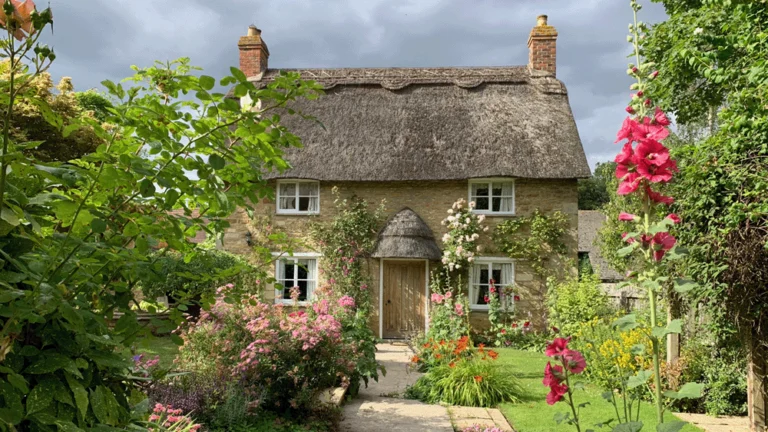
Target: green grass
(533, 414)
(162, 346)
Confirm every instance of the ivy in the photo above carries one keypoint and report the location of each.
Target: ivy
(534, 239)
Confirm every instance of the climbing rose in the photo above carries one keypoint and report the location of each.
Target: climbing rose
(557, 347)
(347, 302)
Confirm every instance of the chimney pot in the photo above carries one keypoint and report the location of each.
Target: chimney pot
(541, 20)
(253, 30)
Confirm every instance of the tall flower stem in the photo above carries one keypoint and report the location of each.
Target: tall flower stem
(655, 356)
(570, 397)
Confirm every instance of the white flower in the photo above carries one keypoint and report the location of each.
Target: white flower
(450, 218)
(450, 211)
(479, 248)
(469, 238)
(459, 249)
(469, 220)
(472, 204)
(471, 259)
(475, 236)
(446, 237)
(481, 218)
(485, 229)
(698, 31)
(458, 266)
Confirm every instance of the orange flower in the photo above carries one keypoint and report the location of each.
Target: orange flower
(492, 354)
(438, 356)
(451, 364)
(478, 378)
(415, 359)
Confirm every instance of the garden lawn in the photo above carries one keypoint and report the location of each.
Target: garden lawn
(158, 346)
(533, 414)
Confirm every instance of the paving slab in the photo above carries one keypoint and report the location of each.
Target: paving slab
(716, 424)
(379, 408)
(463, 417)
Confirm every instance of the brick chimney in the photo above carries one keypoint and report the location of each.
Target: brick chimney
(542, 46)
(253, 52)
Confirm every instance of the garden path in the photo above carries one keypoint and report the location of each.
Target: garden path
(380, 408)
(716, 424)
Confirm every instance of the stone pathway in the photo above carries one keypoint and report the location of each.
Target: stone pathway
(377, 409)
(462, 417)
(716, 424)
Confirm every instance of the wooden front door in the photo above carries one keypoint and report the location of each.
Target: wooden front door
(404, 300)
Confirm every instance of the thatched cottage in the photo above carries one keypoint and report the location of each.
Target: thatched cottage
(421, 138)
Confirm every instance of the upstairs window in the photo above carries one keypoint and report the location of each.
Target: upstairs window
(499, 270)
(493, 196)
(295, 272)
(298, 197)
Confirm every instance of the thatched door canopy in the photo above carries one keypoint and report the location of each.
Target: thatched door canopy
(406, 236)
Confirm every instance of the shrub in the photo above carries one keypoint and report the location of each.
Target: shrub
(283, 358)
(726, 391)
(576, 301)
(467, 382)
(518, 335)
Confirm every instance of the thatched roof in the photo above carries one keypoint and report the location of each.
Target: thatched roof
(398, 124)
(406, 236)
(590, 222)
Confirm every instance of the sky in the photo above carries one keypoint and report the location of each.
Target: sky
(96, 40)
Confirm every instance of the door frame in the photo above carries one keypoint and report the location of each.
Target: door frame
(381, 292)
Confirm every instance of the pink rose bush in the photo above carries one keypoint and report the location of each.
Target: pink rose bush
(284, 356)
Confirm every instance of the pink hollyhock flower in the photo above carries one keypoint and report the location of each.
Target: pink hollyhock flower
(556, 393)
(661, 243)
(575, 361)
(459, 309)
(651, 152)
(448, 295)
(657, 197)
(552, 375)
(492, 289)
(629, 184)
(557, 347)
(658, 173)
(626, 217)
(487, 300)
(659, 117)
(437, 298)
(674, 218)
(647, 130)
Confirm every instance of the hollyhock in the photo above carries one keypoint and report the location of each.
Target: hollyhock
(657, 197)
(658, 173)
(659, 116)
(661, 243)
(556, 393)
(557, 347)
(651, 152)
(650, 130)
(459, 309)
(552, 375)
(674, 218)
(437, 298)
(627, 130)
(575, 361)
(627, 217)
(517, 298)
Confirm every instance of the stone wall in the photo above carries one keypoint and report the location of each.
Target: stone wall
(430, 200)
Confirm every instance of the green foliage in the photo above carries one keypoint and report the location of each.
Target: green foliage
(94, 102)
(188, 280)
(594, 192)
(345, 242)
(576, 301)
(469, 382)
(72, 249)
(536, 239)
(726, 391)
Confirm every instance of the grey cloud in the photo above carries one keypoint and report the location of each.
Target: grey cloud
(100, 39)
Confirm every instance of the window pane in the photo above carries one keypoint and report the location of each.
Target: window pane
(507, 189)
(287, 189)
(287, 292)
(506, 204)
(482, 292)
(301, 270)
(304, 203)
(496, 275)
(481, 203)
(314, 204)
(484, 275)
(288, 271)
(496, 204)
(287, 203)
(302, 290)
(308, 189)
(497, 189)
(479, 189)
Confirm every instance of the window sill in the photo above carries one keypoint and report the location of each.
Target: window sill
(493, 213)
(479, 308)
(290, 213)
(290, 303)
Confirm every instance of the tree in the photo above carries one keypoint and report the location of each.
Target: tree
(712, 58)
(72, 250)
(594, 191)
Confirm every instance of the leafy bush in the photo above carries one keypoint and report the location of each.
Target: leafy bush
(518, 335)
(576, 301)
(726, 391)
(282, 358)
(467, 382)
(198, 279)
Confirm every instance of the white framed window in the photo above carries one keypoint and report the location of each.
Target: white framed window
(493, 196)
(298, 197)
(487, 272)
(296, 271)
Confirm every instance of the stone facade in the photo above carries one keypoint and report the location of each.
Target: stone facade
(430, 200)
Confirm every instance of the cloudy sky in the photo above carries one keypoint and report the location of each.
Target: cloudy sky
(100, 39)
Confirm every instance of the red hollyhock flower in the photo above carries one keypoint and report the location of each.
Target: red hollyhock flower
(629, 183)
(658, 174)
(514, 325)
(575, 361)
(557, 347)
(517, 298)
(626, 217)
(552, 375)
(661, 243)
(659, 117)
(657, 197)
(555, 329)
(527, 324)
(651, 152)
(556, 393)
(649, 130)
(674, 218)
(629, 240)
(487, 300)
